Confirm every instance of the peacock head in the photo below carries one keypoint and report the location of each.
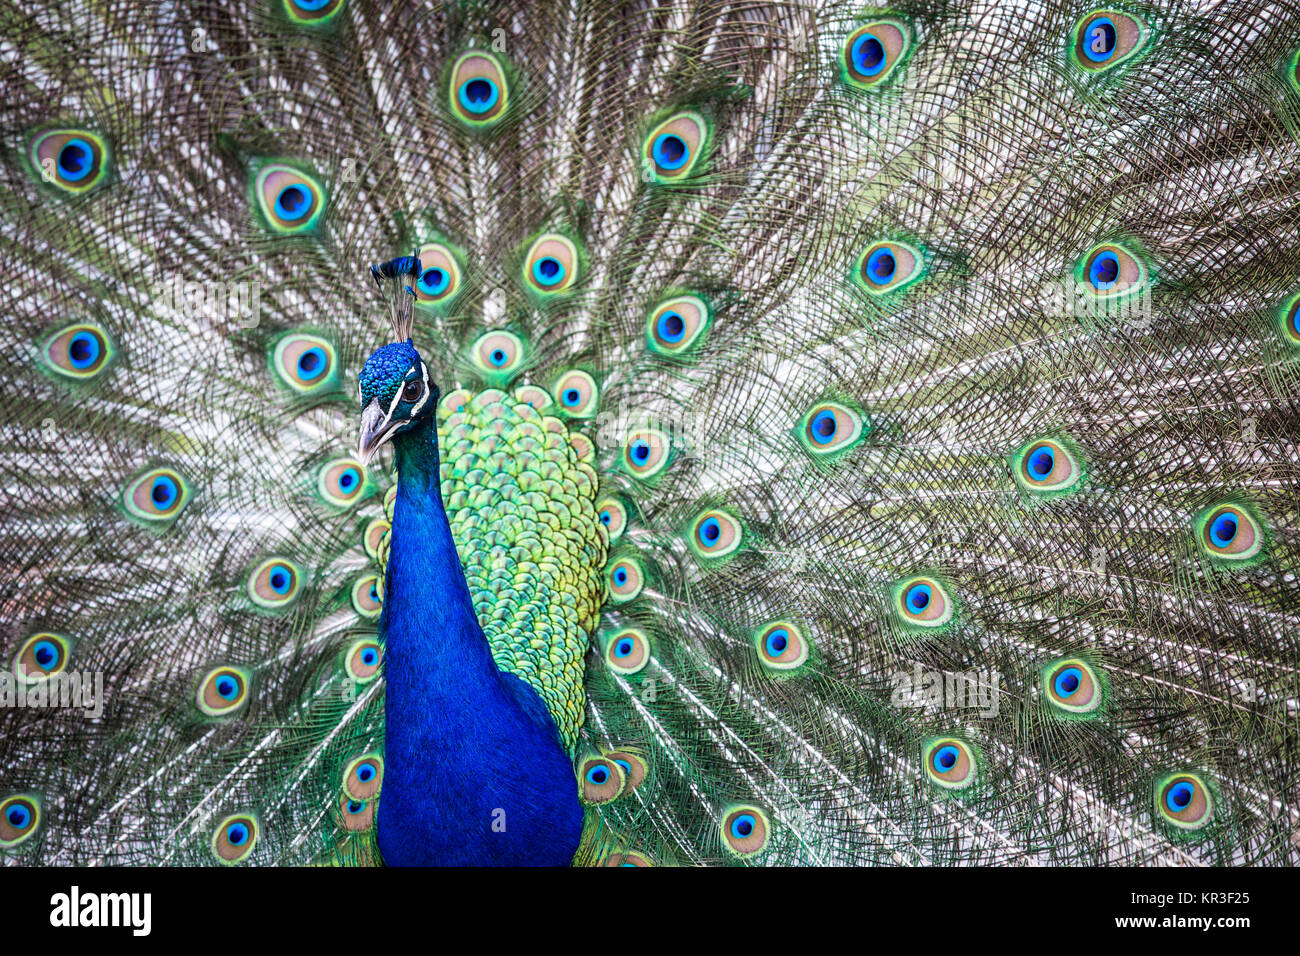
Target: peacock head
(396, 395)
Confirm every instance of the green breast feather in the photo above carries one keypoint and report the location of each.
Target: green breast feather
(520, 495)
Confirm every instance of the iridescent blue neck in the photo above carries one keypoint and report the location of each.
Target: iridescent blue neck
(474, 770)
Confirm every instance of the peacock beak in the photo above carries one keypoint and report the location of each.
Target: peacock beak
(375, 430)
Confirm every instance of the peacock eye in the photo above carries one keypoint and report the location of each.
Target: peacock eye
(413, 391)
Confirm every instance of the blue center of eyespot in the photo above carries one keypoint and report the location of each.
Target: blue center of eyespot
(292, 203)
(1223, 530)
(1099, 42)
(823, 427)
(75, 160)
(640, 452)
(163, 492)
(777, 642)
(881, 266)
(46, 655)
(349, 479)
(1104, 271)
(434, 281)
(918, 597)
(369, 657)
(671, 151)
(1041, 463)
(280, 579)
(355, 807)
(311, 5)
(366, 772)
(671, 327)
(548, 270)
(571, 397)
(498, 357)
(710, 531)
(597, 775)
(227, 688)
(623, 648)
(83, 350)
(945, 758)
(18, 816)
(311, 363)
(237, 834)
(742, 826)
(620, 575)
(1067, 682)
(374, 593)
(478, 95)
(1179, 796)
(868, 54)
(604, 517)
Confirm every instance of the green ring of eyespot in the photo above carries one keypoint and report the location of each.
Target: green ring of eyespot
(161, 502)
(282, 598)
(237, 853)
(320, 14)
(12, 834)
(57, 351)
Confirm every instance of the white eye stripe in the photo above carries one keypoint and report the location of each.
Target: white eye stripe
(420, 404)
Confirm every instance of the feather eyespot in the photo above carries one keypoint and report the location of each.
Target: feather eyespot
(74, 160)
(20, 818)
(628, 651)
(551, 264)
(363, 778)
(290, 201)
(480, 91)
(80, 351)
(363, 660)
(628, 858)
(645, 452)
(1230, 533)
(949, 763)
(601, 780)
(781, 646)
(368, 596)
(923, 602)
(498, 355)
(1072, 687)
(374, 534)
(715, 534)
(871, 53)
(677, 325)
(223, 691)
(612, 513)
(634, 767)
(1184, 801)
(888, 267)
(40, 657)
(304, 362)
(1289, 317)
(234, 838)
(1111, 270)
(745, 830)
(312, 13)
(1047, 467)
(1106, 38)
(625, 580)
(831, 428)
(440, 275)
(155, 497)
(576, 394)
(675, 147)
(342, 482)
(274, 583)
(356, 815)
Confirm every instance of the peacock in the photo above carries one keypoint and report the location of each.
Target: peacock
(650, 432)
